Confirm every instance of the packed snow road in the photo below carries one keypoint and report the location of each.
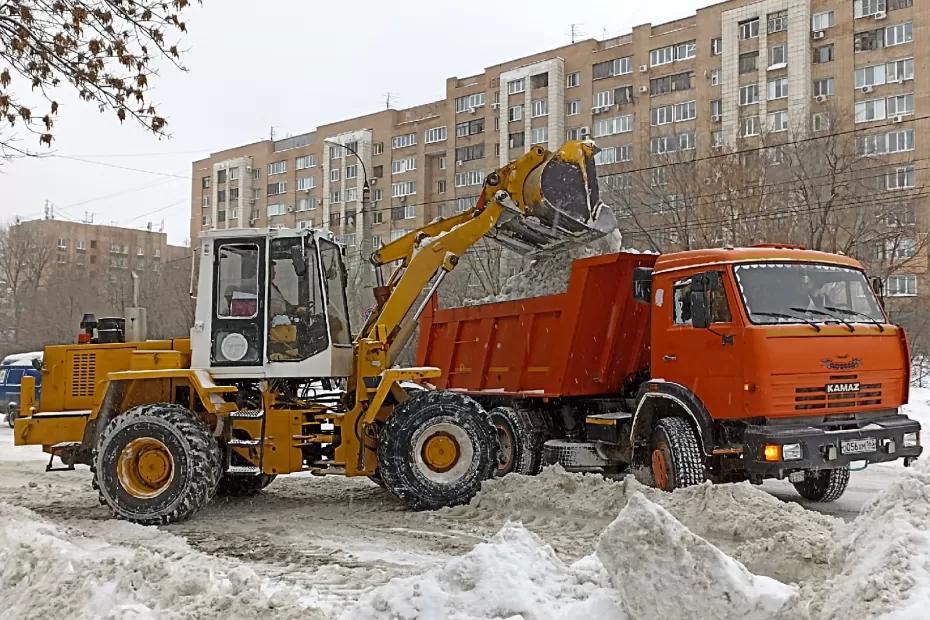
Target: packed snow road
(556, 545)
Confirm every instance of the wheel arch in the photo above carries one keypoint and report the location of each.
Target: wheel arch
(661, 399)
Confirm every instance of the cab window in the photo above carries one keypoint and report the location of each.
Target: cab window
(237, 281)
(681, 306)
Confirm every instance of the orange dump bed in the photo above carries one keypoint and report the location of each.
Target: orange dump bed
(586, 341)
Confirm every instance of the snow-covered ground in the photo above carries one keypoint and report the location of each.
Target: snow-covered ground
(557, 545)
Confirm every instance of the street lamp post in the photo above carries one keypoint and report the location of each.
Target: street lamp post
(362, 225)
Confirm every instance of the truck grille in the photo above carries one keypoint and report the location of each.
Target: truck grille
(816, 397)
(83, 374)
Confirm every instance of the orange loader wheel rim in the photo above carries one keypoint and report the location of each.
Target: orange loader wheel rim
(660, 469)
(145, 468)
(441, 452)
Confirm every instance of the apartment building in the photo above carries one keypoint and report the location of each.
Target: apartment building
(723, 79)
(98, 249)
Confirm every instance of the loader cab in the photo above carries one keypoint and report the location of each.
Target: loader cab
(271, 303)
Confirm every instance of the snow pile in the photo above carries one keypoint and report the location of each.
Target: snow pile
(50, 571)
(658, 566)
(514, 574)
(883, 563)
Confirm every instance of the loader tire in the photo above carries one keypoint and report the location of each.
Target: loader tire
(676, 460)
(521, 435)
(243, 486)
(436, 449)
(825, 485)
(156, 464)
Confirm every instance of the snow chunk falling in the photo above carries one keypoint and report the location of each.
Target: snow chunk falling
(663, 570)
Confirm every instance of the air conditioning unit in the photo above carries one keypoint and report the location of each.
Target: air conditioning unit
(459, 162)
(403, 199)
(818, 34)
(373, 182)
(644, 89)
(715, 118)
(495, 105)
(820, 98)
(880, 15)
(865, 89)
(643, 68)
(584, 132)
(898, 119)
(290, 209)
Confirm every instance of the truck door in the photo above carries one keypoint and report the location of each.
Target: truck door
(706, 360)
(238, 302)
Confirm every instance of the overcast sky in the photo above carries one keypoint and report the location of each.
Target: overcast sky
(291, 64)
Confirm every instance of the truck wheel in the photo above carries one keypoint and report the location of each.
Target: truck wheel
(521, 436)
(676, 459)
(156, 464)
(436, 449)
(825, 485)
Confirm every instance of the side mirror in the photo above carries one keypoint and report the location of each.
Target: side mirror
(297, 258)
(878, 286)
(37, 364)
(642, 284)
(701, 286)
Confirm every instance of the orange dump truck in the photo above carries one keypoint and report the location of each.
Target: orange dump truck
(721, 364)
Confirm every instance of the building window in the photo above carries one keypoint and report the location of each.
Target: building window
(277, 167)
(778, 56)
(778, 21)
(573, 108)
(306, 183)
(468, 103)
(205, 182)
(469, 153)
(256, 173)
(377, 148)
(276, 209)
(870, 76)
(436, 134)
(540, 135)
(716, 109)
(900, 70)
(306, 204)
(351, 194)
(399, 142)
(335, 219)
(662, 56)
(573, 79)
(670, 83)
(515, 140)
(377, 195)
(609, 68)
(902, 177)
(823, 87)
(749, 29)
(442, 162)
(275, 189)
(820, 121)
(898, 34)
(778, 89)
(897, 141)
(822, 21)
(686, 50)
(516, 86)
(399, 166)
(623, 95)
(515, 113)
(716, 46)
(894, 5)
(307, 161)
(661, 116)
(403, 188)
(352, 171)
(867, 111)
(900, 105)
(604, 99)
(469, 128)
(334, 174)
(901, 286)
(611, 126)
(749, 62)
(205, 201)
(750, 126)
(441, 186)
(866, 8)
(749, 94)
(540, 107)
(335, 197)
(715, 75)
(685, 111)
(869, 40)
(778, 121)
(472, 177)
(716, 139)
(221, 176)
(823, 54)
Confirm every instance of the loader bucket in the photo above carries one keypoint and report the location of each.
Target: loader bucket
(561, 208)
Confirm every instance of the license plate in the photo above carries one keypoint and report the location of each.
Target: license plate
(858, 446)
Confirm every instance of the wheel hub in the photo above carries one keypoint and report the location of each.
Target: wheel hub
(145, 467)
(659, 469)
(441, 452)
(506, 453)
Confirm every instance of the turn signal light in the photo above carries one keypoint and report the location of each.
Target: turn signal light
(772, 452)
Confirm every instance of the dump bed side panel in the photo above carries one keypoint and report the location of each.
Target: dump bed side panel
(583, 342)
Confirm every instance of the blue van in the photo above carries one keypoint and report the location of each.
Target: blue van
(12, 370)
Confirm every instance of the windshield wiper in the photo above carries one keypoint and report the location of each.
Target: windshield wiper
(848, 312)
(826, 314)
(782, 315)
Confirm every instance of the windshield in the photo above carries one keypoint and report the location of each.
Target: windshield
(806, 292)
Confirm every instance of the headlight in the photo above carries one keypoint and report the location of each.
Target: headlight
(911, 440)
(791, 451)
(234, 347)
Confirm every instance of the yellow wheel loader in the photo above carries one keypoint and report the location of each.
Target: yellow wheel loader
(271, 380)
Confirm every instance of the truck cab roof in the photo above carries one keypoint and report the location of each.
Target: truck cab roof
(719, 256)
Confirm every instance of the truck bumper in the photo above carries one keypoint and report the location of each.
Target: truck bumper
(880, 440)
